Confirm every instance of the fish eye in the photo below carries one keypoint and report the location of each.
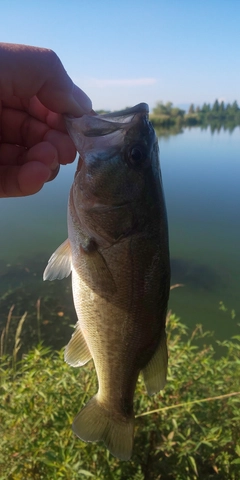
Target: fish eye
(136, 155)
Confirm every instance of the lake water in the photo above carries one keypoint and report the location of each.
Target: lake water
(201, 175)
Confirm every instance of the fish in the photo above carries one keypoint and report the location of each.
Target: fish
(118, 253)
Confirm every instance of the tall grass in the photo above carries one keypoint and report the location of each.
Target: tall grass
(190, 431)
(4, 334)
(17, 339)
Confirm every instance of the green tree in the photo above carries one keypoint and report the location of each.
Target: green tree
(191, 109)
(160, 109)
(215, 107)
(233, 110)
(168, 107)
(206, 108)
(177, 112)
(228, 106)
(222, 107)
(235, 106)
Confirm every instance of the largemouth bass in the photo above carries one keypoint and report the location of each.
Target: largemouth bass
(117, 251)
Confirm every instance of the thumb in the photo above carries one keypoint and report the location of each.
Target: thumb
(27, 71)
(61, 95)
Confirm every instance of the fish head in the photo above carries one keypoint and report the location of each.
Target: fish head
(116, 151)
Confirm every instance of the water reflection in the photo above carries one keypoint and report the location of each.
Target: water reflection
(49, 305)
(215, 126)
(201, 175)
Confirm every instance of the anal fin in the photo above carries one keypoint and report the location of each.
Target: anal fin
(155, 372)
(77, 352)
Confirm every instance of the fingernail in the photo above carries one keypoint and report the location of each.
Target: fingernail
(54, 173)
(54, 164)
(83, 101)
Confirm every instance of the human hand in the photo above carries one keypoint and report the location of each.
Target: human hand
(35, 92)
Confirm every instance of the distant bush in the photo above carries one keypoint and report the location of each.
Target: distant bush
(189, 436)
(218, 115)
(191, 119)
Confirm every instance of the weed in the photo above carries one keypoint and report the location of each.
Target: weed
(190, 431)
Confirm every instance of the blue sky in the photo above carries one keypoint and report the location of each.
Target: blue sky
(130, 51)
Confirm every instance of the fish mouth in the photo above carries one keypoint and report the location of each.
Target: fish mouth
(131, 111)
(112, 125)
(140, 108)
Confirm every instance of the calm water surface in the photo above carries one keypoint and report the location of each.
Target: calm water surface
(201, 175)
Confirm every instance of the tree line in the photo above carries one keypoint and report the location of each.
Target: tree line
(217, 115)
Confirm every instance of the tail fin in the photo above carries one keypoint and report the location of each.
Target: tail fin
(94, 423)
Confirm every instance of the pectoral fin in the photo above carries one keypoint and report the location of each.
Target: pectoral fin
(155, 373)
(60, 263)
(76, 352)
